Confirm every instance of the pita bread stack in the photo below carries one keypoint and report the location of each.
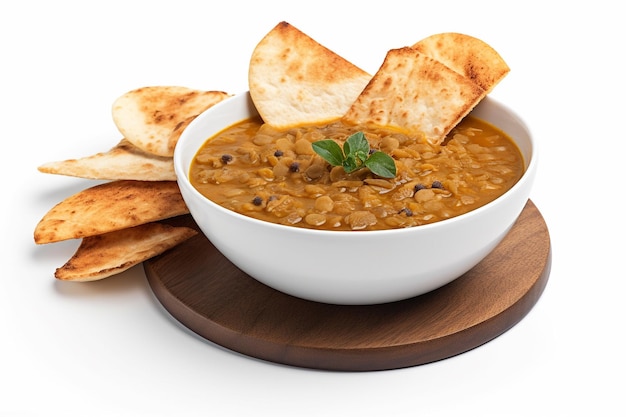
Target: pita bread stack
(119, 220)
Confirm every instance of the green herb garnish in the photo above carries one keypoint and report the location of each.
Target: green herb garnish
(356, 155)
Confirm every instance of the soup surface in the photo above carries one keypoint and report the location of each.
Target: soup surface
(276, 176)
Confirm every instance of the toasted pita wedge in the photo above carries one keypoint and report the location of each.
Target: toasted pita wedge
(108, 254)
(416, 94)
(109, 207)
(125, 161)
(294, 80)
(147, 116)
(469, 56)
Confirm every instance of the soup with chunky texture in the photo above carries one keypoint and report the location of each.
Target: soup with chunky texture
(276, 176)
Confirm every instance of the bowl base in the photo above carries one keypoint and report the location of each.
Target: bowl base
(199, 287)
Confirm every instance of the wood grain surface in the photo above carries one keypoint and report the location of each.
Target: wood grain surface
(209, 295)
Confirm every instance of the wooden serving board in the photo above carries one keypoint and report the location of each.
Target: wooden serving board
(209, 295)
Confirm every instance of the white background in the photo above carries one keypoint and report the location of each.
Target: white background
(108, 348)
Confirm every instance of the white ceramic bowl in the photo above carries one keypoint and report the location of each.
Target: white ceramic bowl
(353, 267)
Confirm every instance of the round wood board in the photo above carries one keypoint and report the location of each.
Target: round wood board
(210, 296)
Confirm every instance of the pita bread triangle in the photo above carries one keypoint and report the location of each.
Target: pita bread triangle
(147, 116)
(467, 55)
(293, 80)
(124, 161)
(109, 207)
(108, 254)
(416, 94)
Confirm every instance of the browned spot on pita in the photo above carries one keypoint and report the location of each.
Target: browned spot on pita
(178, 130)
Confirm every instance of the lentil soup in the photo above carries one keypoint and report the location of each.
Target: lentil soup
(272, 175)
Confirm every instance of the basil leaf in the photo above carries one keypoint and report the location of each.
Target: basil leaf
(330, 151)
(355, 155)
(357, 145)
(381, 164)
(351, 164)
